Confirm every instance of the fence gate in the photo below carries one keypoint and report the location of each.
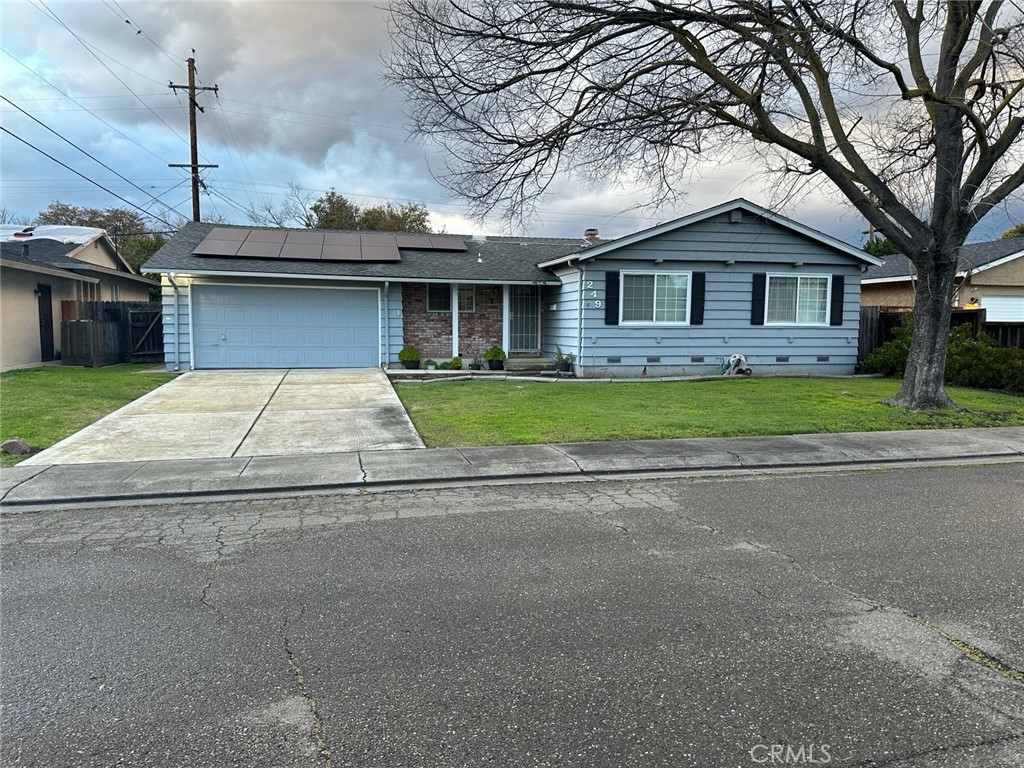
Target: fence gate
(146, 335)
(95, 333)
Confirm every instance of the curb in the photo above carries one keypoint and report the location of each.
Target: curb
(20, 506)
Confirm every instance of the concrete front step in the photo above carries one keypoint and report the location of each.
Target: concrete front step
(529, 364)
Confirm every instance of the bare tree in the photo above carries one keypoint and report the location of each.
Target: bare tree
(913, 112)
(11, 218)
(294, 210)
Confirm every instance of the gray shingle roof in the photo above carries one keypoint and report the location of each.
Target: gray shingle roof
(502, 259)
(972, 256)
(41, 253)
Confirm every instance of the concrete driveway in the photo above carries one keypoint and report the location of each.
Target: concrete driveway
(221, 414)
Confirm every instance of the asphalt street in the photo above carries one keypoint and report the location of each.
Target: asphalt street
(871, 618)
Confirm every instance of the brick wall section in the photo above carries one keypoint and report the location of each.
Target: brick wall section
(431, 332)
(481, 330)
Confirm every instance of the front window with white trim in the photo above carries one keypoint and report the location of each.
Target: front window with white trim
(655, 298)
(797, 300)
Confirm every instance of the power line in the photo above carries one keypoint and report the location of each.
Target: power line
(85, 108)
(121, 13)
(91, 181)
(84, 152)
(46, 11)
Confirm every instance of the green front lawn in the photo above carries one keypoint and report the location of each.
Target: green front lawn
(510, 412)
(45, 405)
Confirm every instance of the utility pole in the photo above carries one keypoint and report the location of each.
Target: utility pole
(193, 141)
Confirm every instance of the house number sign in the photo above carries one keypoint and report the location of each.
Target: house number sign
(591, 296)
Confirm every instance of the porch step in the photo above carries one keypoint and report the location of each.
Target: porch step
(529, 364)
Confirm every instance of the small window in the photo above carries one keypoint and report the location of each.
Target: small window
(439, 298)
(86, 292)
(660, 298)
(796, 300)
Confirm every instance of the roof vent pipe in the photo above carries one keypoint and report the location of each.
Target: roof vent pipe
(590, 235)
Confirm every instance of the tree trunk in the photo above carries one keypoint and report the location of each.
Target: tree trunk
(926, 364)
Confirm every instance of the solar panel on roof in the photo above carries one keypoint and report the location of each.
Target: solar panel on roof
(341, 253)
(305, 238)
(302, 252)
(265, 236)
(379, 240)
(224, 233)
(296, 245)
(341, 238)
(381, 253)
(445, 243)
(260, 250)
(210, 247)
(422, 242)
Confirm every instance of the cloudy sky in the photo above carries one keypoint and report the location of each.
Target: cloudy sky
(300, 100)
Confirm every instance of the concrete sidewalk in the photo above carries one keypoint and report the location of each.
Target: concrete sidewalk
(26, 487)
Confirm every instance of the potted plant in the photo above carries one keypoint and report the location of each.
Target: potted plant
(431, 365)
(563, 362)
(456, 363)
(477, 364)
(495, 357)
(409, 357)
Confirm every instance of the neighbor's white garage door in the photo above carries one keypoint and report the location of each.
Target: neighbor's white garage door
(248, 327)
(1003, 309)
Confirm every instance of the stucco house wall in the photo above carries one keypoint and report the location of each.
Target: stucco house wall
(19, 315)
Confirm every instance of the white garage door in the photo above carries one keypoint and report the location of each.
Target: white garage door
(248, 327)
(1003, 309)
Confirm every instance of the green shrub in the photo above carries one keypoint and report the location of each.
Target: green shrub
(456, 364)
(890, 359)
(970, 361)
(409, 354)
(494, 353)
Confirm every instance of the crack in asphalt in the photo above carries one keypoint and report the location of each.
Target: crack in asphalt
(895, 759)
(212, 570)
(316, 730)
(967, 650)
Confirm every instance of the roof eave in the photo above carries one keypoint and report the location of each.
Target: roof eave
(699, 216)
(51, 271)
(174, 271)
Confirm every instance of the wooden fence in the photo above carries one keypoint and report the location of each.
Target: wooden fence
(97, 333)
(877, 327)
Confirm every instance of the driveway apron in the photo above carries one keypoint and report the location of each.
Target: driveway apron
(221, 414)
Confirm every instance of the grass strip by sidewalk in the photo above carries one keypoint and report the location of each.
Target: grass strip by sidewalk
(510, 412)
(44, 405)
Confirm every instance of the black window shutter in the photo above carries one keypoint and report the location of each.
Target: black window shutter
(757, 299)
(611, 298)
(697, 299)
(838, 294)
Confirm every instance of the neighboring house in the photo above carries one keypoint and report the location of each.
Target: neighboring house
(42, 266)
(674, 299)
(989, 275)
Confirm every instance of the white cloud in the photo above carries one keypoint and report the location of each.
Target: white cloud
(300, 100)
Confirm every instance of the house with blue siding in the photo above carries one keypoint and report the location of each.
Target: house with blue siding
(673, 300)
(681, 297)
